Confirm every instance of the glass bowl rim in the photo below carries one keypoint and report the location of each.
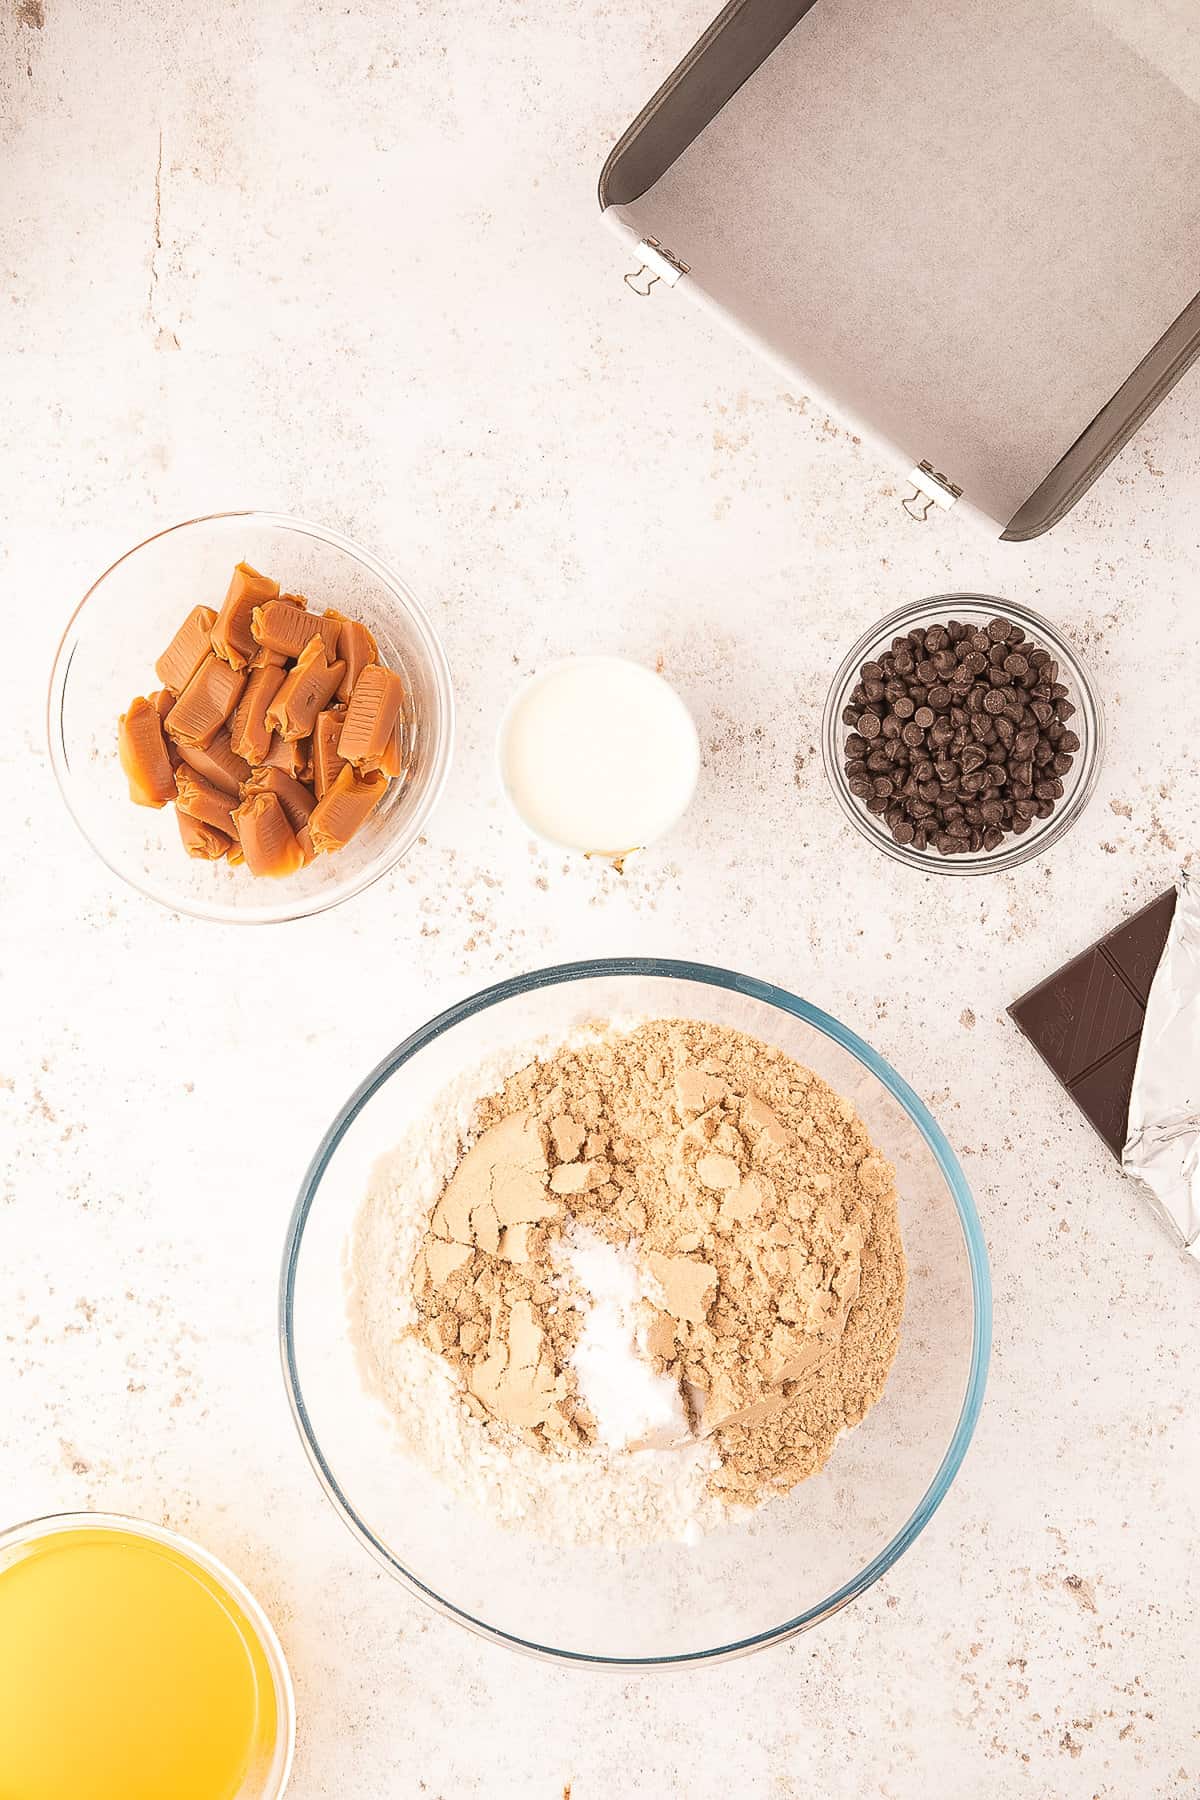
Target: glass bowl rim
(284, 913)
(1019, 849)
(708, 975)
(45, 1525)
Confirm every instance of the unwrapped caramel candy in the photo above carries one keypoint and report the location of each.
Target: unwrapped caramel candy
(296, 800)
(311, 681)
(289, 755)
(231, 637)
(202, 841)
(186, 650)
(143, 753)
(371, 717)
(215, 762)
(162, 700)
(327, 765)
(285, 626)
(356, 648)
(391, 763)
(203, 801)
(267, 659)
(247, 734)
(268, 841)
(205, 703)
(344, 809)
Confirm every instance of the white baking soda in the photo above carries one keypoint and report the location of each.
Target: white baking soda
(599, 754)
(634, 1407)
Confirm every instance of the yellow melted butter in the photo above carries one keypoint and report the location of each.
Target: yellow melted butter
(127, 1672)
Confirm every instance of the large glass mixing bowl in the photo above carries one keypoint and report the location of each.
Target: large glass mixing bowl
(797, 1560)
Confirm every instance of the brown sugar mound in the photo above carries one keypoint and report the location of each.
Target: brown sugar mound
(764, 1222)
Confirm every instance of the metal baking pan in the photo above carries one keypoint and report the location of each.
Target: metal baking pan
(972, 230)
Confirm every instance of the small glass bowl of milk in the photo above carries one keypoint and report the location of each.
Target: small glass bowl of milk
(598, 754)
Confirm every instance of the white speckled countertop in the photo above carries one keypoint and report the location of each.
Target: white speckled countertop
(348, 262)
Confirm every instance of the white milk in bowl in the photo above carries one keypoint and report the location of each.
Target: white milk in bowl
(598, 754)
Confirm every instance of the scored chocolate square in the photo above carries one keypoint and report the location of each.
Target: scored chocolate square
(1102, 1096)
(1085, 1021)
(1137, 946)
(1079, 1015)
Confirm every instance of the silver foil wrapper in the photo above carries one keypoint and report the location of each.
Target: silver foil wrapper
(1162, 1147)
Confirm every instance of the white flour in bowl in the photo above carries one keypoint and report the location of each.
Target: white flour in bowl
(609, 1495)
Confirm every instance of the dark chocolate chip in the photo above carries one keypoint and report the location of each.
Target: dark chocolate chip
(957, 737)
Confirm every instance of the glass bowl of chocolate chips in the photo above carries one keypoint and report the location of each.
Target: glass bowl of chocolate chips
(963, 735)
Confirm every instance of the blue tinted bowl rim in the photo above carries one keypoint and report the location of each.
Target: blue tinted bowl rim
(707, 975)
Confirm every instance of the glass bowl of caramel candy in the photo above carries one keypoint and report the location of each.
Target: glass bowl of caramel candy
(250, 718)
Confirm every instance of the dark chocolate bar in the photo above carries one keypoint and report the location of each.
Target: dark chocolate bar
(1086, 1020)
